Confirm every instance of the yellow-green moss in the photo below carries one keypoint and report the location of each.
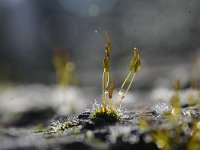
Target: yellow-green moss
(108, 114)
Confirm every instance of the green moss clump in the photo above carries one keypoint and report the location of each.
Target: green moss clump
(67, 125)
(109, 108)
(108, 115)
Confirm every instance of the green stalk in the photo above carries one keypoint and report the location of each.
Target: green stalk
(121, 88)
(131, 82)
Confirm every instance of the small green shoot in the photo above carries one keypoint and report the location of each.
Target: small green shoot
(134, 68)
(194, 73)
(106, 72)
(109, 109)
(64, 67)
(194, 140)
(175, 100)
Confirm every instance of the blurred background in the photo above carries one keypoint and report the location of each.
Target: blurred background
(38, 36)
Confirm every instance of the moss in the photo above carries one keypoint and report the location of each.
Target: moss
(108, 111)
(67, 125)
(108, 115)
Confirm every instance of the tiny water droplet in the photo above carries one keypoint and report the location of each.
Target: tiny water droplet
(175, 111)
(188, 113)
(96, 31)
(106, 91)
(198, 125)
(121, 93)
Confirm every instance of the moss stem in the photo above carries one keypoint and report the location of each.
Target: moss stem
(105, 84)
(121, 88)
(130, 83)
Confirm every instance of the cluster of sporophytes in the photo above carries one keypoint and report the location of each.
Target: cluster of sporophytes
(179, 127)
(108, 110)
(64, 68)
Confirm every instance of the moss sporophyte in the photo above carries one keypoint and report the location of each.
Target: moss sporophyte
(64, 68)
(109, 108)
